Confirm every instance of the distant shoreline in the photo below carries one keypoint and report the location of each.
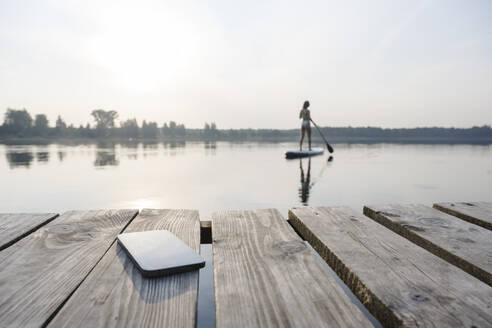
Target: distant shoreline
(20, 128)
(317, 139)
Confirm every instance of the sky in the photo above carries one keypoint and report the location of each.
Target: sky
(250, 64)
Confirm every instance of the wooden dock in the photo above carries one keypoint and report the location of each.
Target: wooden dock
(409, 265)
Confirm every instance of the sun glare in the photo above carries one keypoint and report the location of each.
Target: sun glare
(145, 49)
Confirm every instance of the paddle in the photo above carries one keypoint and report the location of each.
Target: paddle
(330, 149)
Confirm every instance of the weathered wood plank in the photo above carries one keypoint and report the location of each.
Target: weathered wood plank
(39, 272)
(461, 243)
(115, 294)
(400, 283)
(15, 226)
(479, 213)
(266, 276)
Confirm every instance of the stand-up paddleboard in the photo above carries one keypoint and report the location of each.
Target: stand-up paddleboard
(304, 153)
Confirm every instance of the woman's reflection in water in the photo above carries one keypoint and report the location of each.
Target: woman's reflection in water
(306, 183)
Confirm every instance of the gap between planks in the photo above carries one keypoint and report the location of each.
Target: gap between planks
(15, 226)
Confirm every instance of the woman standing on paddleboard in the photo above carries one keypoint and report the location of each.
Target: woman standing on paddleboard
(305, 115)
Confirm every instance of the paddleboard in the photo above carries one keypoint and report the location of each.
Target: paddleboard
(304, 153)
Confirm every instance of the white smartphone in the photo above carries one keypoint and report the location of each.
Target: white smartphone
(159, 253)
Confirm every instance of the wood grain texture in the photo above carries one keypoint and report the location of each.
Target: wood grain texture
(115, 294)
(15, 226)
(39, 272)
(400, 283)
(266, 276)
(461, 243)
(479, 213)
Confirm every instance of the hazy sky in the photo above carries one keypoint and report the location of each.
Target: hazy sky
(250, 63)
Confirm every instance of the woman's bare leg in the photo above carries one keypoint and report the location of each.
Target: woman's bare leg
(309, 136)
(302, 138)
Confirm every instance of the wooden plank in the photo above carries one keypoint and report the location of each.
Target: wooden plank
(115, 294)
(41, 271)
(266, 276)
(400, 283)
(479, 213)
(463, 244)
(15, 226)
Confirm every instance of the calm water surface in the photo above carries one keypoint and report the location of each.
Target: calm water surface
(216, 176)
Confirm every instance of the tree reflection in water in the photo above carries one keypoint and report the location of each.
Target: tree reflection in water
(19, 159)
(174, 144)
(210, 147)
(43, 156)
(106, 158)
(131, 148)
(106, 155)
(61, 155)
(172, 147)
(150, 148)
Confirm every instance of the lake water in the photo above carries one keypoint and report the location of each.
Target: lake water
(222, 175)
(215, 176)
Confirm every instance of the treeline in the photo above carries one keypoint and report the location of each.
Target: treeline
(431, 132)
(341, 134)
(20, 124)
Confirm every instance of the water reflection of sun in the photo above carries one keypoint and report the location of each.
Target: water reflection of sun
(142, 203)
